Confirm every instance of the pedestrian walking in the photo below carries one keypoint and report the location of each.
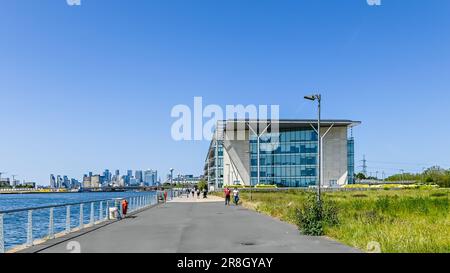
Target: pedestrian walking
(236, 196)
(227, 192)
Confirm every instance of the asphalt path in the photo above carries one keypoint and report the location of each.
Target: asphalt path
(194, 226)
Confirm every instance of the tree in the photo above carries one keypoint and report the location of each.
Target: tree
(361, 176)
(202, 184)
(434, 175)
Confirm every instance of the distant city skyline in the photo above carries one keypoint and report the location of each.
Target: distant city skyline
(92, 86)
(105, 178)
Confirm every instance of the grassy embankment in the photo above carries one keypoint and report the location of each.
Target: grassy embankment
(408, 220)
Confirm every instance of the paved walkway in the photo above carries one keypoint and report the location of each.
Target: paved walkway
(191, 225)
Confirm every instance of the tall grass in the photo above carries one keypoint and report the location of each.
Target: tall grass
(410, 220)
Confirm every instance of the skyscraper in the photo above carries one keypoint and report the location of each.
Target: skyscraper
(86, 181)
(52, 182)
(74, 183)
(59, 182)
(122, 181)
(128, 177)
(138, 176)
(107, 176)
(95, 181)
(66, 182)
(150, 177)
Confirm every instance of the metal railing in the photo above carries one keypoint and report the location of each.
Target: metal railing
(99, 211)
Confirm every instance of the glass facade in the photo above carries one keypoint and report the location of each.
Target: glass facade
(216, 161)
(292, 162)
(351, 160)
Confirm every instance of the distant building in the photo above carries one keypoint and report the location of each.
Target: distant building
(15, 183)
(96, 181)
(122, 181)
(186, 179)
(66, 182)
(128, 177)
(138, 176)
(59, 182)
(4, 182)
(150, 177)
(29, 185)
(86, 181)
(134, 182)
(53, 184)
(75, 184)
(107, 176)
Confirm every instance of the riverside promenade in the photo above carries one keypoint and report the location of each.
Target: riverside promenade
(191, 225)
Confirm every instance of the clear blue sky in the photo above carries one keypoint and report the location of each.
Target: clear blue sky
(91, 87)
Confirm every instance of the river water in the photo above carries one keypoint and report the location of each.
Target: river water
(15, 224)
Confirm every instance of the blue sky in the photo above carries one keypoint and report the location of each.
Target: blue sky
(91, 87)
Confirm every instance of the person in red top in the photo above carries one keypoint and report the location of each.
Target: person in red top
(227, 196)
(124, 207)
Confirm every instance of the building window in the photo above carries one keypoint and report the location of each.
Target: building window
(291, 164)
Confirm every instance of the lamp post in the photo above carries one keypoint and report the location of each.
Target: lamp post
(318, 97)
(403, 173)
(171, 175)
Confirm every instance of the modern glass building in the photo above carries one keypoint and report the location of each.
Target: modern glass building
(287, 155)
(214, 164)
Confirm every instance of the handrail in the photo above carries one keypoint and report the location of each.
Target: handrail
(136, 203)
(56, 206)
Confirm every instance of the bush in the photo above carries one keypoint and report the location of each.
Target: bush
(235, 186)
(202, 185)
(263, 186)
(314, 216)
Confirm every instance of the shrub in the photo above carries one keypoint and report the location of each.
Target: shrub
(382, 203)
(236, 186)
(439, 194)
(314, 216)
(360, 195)
(202, 185)
(263, 186)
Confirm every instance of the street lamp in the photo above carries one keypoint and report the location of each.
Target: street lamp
(318, 97)
(403, 173)
(171, 175)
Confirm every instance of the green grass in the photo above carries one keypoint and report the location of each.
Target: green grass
(402, 221)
